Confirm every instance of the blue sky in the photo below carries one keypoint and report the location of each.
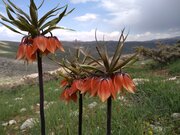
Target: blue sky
(143, 19)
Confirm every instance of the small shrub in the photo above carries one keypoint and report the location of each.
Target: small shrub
(163, 54)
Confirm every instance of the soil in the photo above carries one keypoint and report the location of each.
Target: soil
(12, 70)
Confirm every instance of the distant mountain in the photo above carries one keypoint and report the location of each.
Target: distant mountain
(91, 45)
(128, 47)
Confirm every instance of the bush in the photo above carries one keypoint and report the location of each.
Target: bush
(163, 54)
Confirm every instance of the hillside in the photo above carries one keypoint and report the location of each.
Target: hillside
(11, 67)
(8, 49)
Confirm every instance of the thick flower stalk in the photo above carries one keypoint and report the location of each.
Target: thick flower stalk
(35, 43)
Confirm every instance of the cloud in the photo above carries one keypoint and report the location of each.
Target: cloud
(151, 36)
(9, 35)
(142, 16)
(86, 17)
(65, 35)
(85, 35)
(121, 9)
(82, 1)
(114, 35)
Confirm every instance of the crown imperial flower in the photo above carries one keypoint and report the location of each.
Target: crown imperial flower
(35, 41)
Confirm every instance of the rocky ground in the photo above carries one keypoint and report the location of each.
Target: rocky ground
(12, 71)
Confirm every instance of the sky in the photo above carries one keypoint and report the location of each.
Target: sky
(142, 19)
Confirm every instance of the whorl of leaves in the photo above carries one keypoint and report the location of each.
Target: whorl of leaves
(17, 20)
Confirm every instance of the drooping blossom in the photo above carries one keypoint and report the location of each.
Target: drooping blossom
(25, 50)
(46, 44)
(70, 90)
(29, 46)
(105, 87)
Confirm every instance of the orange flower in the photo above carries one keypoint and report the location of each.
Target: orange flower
(47, 44)
(28, 47)
(40, 43)
(54, 41)
(64, 83)
(84, 85)
(105, 87)
(104, 90)
(95, 84)
(25, 50)
(128, 84)
(70, 90)
(65, 96)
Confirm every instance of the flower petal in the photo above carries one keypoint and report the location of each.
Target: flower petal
(65, 96)
(117, 82)
(58, 44)
(41, 42)
(84, 85)
(128, 84)
(46, 52)
(74, 97)
(33, 57)
(73, 89)
(21, 52)
(112, 88)
(64, 83)
(95, 85)
(51, 46)
(34, 48)
(104, 90)
(29, 50)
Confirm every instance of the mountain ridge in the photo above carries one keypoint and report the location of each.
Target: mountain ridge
(111, 45)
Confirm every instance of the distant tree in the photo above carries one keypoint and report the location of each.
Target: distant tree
(163, 54)
(178, 42)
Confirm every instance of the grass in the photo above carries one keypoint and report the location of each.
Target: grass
(174, 68)
(153, 104)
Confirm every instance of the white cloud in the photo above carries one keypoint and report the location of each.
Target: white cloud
(114, 35)
(82, 1)
(86, 17)
(86, 35)
(142, 16)
(65, 35)
(9, 35)
(150, 36)
(122, 12)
